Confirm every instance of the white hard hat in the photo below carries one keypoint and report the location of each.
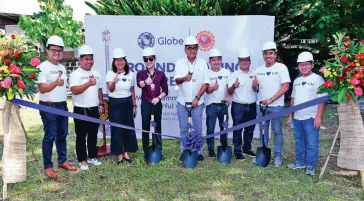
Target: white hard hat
(85, 50)
(118, 53)
(269, 46)
(191, 40)
(148, 51)
(244, 53)
(215, 53)
(55, 40)
(304, 56)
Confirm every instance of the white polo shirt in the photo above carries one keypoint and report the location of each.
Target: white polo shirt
(270, 80)
(244, 94)
(122, 87)
(305, 89)
(188, 90)
(49, 73)
(222, 78)
(90, 97)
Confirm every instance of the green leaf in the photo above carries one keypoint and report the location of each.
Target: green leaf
(342, 95)
(30, 70)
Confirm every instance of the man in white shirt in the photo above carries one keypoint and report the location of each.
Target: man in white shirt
(243, 108)
(307, 121)
(272, 83)
(190, 75)
(53, 93)
(215, 94)
(87, 99)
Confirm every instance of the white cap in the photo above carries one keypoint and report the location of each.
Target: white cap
(191, 40)
(269, 46)
(304, 56)
(118, 53)
(244, 53)
(148, 51)
(55, 40)
(85, 50)
(215, 53)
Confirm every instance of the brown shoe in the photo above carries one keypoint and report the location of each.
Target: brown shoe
(50, 173)
(67, 166)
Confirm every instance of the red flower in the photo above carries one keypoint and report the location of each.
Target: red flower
(348, 95)
(17, 54)
(345, 70)
(13, 68)
(354, 81)
(31, 76)
(35, 62)
(7, 61)
(340, 78)
(13, 36)
(361, 62)
(358, 91)
(347, 39)
(10, 52)
(358, 75)
(351, 64)
(347, 45)
(322, 70)
(21, 84)
(329, 84)
(361, 41)
(6, 83)
(344, 59)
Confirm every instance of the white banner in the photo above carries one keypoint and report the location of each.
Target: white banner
(166, 34)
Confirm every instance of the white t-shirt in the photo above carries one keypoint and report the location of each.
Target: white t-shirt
(270, 80)
(188, 90)
(244, 93)
(305, 89)
(222, 78)
(90, 97)
(49, 73)
(122, 87)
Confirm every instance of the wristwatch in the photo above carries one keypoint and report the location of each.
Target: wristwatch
(272, 99)
(198, 97)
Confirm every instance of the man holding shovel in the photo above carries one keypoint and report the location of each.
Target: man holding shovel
(190, 75)
(215, 93)
(243, 108)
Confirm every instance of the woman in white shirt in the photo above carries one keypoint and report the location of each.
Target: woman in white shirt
(122, 106)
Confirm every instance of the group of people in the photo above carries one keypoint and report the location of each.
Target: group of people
(204, 84)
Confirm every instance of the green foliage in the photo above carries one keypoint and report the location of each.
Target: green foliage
(55, 18)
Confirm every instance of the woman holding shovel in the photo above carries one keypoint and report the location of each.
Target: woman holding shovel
(154, 87)
(122, 106)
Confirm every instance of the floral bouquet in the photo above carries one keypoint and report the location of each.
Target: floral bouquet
(344, 74)
(18, 61)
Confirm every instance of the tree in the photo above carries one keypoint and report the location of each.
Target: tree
(55, 18)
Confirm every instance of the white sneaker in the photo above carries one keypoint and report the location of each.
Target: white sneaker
(83, 167)
(94, 161)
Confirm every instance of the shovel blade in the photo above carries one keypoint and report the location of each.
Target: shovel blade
(263, 156)
(154, 154)
(224, 154)
(189, 159)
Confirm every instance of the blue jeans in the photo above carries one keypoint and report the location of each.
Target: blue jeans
(307, 142)
(276, 128)
(213, 112)
(183, 121)
(241, 114)
(55, 129)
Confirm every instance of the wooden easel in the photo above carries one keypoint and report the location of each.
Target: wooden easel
(361, 173)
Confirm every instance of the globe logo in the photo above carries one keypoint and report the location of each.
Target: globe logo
(146, 39)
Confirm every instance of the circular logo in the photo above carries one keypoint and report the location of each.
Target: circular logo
(205, 40)
(146, 39)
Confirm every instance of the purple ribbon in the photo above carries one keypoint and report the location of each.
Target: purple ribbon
(225, 124)
(153, 124)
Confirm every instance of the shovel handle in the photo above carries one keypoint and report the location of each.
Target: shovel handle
(189, 121)
(224, 117)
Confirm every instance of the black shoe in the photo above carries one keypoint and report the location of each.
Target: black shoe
(200, 157)
(239, 157)
(181, 157)
(129, 160)
(145, 158)
(118, 162)
(212, 153)
(162, 158)
(249, 153)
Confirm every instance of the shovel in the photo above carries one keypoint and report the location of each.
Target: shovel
(154, 152)
(224, 152)
(189, 158)
(263, 153)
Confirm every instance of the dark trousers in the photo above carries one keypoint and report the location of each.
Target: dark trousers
(85, 129)
(213, 112)
(55, 129)
(146, 110)
(121, 112)
(242, 113)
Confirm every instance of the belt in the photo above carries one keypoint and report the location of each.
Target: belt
(244, 104)
(87, 108)
(49, 102)
(218, 104)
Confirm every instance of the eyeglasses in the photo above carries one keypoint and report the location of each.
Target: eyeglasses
(244, 60)
(146, 59)
(192, 48)
(56, 51)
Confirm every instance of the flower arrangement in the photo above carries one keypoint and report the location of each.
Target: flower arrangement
(343, 74)
(18, 61)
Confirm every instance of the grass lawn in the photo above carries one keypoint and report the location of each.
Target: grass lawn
(240, 180)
